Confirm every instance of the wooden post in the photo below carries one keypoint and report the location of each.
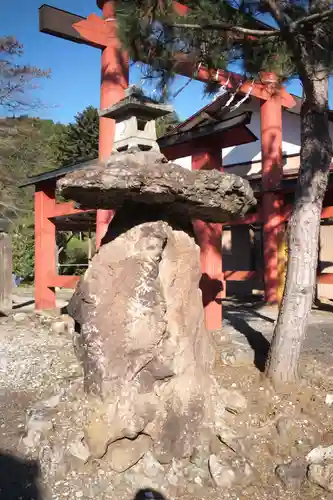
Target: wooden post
(272, 172)
(209, 238)
(45, 246)
(6, 280)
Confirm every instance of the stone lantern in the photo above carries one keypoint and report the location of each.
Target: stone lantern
(146, 355)
(135, 117)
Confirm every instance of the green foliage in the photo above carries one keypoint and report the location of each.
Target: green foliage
(74, 254)
(24, 145)
(79, 140)
(77, 251)
(24, 142)
(166, 123)
(23, 248)
(25, 149)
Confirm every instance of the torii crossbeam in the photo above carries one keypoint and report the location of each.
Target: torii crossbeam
(94, 31)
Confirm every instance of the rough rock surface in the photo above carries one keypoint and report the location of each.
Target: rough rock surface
(320, 454)
(143, 344)
(147, 177)
(237, 356)
(125, 453)
(228, 472)
(79, 449)
(292, 474)
(322, 474)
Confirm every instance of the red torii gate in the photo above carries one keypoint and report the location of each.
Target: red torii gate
(102, 33)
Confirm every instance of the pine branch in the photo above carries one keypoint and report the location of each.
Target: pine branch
(274, 8)
(312, 18)
(221, 26)
(284, 20)
(287, 26)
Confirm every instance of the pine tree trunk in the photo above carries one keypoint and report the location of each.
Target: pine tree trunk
(304, 226)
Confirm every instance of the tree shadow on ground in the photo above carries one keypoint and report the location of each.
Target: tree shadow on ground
(323, 306)
(148, 494)
(24, 304)
(256, 340)
(19, 478)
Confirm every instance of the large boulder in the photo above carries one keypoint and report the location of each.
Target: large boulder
(147, 177)
(142, 341)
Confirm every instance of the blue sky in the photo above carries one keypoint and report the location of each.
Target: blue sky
(75, 79)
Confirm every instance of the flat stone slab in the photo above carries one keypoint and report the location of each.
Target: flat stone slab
(147, 177)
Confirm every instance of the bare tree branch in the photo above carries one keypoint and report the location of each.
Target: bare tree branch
(16, 80)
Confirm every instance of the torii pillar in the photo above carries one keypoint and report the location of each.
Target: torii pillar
(272, 173)
(209, 238)
(114, 81)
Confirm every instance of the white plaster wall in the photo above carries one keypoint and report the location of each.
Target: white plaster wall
(326, 260)
(291, 133)
(185, 162)
(246, 152)
(252, 152)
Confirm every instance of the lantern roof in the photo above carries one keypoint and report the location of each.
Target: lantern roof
(135, 103)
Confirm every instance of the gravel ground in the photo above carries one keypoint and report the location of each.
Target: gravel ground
(37, 364)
